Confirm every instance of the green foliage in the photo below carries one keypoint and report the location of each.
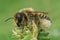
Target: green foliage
(43, 35)
(9, 7)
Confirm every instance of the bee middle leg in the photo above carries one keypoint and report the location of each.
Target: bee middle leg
(37, 21)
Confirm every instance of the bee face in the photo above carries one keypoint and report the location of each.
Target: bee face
(20, 18)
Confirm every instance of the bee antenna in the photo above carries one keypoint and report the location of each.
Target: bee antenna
(9, 19)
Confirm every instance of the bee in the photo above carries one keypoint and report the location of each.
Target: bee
(23, 16)
(37, 20)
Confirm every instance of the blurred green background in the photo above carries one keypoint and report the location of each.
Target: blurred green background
(9, 7)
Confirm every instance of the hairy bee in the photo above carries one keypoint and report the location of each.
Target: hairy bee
(28, 15)
(37, 20)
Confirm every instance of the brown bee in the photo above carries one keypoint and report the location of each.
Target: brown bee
(37, 20)
(23, 16)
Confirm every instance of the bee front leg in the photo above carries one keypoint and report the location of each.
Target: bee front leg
(22, 26)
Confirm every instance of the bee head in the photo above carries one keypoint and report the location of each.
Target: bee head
(20, 17)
